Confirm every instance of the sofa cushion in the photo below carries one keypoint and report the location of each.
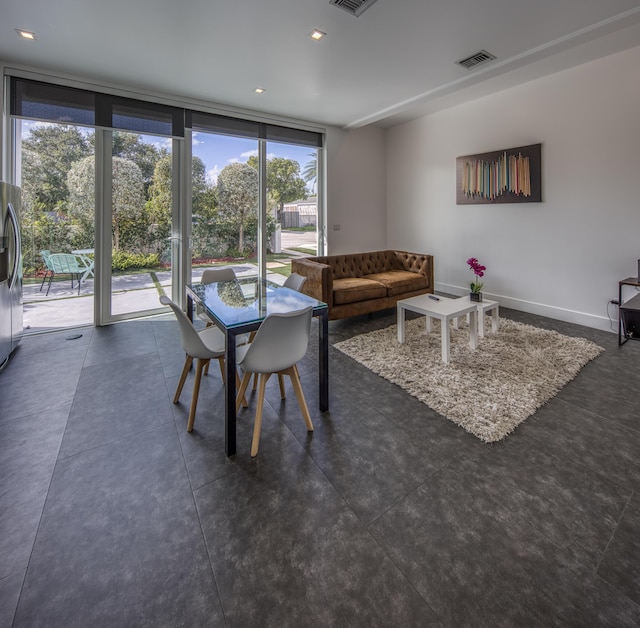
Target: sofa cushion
(352, 289)
(400, 281)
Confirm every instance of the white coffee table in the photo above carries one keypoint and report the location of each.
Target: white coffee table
(444, 310)
(485, 306)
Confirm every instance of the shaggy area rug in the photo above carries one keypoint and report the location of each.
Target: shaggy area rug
(489, 391)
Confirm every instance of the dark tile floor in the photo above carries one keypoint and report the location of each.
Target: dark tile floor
(388, 515)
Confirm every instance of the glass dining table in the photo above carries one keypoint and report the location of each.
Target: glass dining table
(239, 307)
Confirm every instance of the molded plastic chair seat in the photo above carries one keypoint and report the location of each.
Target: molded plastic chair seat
(225, 273)
(294, 281)
(279, 344)
(203, 346)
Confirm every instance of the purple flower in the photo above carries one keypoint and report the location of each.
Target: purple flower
(478, 270)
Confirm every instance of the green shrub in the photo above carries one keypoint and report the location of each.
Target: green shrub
(123, 260)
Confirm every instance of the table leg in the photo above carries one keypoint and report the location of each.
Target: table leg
(444, 338)
(480, 316)
(401, 316)
(323, 363)
(495, 320)
(230, 395)
(473, 329)
(619, 314)
(428, 326)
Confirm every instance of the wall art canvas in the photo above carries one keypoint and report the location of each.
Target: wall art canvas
(511, 175)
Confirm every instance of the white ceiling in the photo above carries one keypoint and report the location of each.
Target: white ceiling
(394, 62)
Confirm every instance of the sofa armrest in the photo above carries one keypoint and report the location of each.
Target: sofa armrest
(319, 283)
(417, 263)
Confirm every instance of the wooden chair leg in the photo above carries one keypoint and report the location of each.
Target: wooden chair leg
(238, 384)
(241, 391)
(297, 386)
(258, 422)
(221, 365)
(255, 381)
(183, 378)
(196, 391)
(206, 368)
(283, 395)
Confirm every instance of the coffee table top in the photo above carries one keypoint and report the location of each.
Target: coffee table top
(443, 307)
(484, 304)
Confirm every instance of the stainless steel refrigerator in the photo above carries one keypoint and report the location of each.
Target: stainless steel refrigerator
(10, 272)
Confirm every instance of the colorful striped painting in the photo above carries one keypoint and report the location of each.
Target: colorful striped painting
(507, 176)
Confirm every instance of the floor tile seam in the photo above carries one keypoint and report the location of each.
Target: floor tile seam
(24, 577)
(399, 568)
(532, 523)
(117, 440)
(576, 460)
(207, 550)
(411, 491)
(184, 459)
(613, 534)
(35, 537)
(304, 447)
(200, 526)
(60, 404)
(602, 417)
(119, 358)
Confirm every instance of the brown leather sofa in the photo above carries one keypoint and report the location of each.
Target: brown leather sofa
(359, 283)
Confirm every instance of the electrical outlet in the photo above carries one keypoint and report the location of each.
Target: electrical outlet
(336, 227)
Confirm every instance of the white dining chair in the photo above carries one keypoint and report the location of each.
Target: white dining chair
(294, 281)
(279, 344)
(209, 275)
(203, 346)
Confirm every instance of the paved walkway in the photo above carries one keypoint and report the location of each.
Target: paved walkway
(63, 307)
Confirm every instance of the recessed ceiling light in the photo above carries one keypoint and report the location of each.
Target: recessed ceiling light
(25, 34)
(259, 90)
(316, 34)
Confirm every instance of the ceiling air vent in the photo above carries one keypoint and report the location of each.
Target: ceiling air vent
(355, 7)
(480, 57)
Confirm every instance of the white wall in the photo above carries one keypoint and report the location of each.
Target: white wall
(563, 257)
(356, 190)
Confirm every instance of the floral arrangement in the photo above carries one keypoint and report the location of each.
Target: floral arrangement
(478, 270)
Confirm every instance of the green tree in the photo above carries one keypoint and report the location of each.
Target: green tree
(238, 197)
(130, 224)
(55, 148)
(284, 183)
(310, 172)
(203, 197)
(132, 147)
(33, 179)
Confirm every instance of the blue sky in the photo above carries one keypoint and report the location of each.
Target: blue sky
(218, 151)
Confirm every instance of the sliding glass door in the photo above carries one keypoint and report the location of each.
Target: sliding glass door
(141, 223)
(226, 204)
(292, 204)
(54, 166)
(225, 200)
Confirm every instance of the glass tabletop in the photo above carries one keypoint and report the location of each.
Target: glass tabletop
(249, 300)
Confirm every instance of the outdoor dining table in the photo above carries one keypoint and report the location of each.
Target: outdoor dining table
(83, 253)
(239, 307)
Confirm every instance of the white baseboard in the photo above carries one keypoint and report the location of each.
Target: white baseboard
(562, 314)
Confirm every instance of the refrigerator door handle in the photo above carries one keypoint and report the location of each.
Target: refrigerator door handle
(13, 278)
